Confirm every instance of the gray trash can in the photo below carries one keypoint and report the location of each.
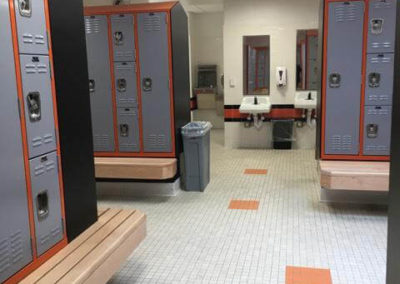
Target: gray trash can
(196, 148)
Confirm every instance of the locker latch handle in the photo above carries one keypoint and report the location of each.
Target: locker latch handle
(118, 38)
(376, 26)
(334, 80)
(25, 8)
(124, 130)
(34, 106)
(374, 80)
(42, 203)
(121, 85)
(147, 84)
(372, 130)
(92, 86)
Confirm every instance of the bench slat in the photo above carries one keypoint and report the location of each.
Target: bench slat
(91, 262)
(59, 257)
(85, 248)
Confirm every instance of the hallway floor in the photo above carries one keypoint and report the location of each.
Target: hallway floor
(196, 238)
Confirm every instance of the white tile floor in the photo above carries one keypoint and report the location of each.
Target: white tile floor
(194, 238)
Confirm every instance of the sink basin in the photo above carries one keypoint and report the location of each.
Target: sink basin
(305, 99)
(248, 106)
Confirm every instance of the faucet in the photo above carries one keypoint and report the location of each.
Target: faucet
(255, 100)
(309, 98)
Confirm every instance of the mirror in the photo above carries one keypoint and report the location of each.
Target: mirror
(306, 60)
(256, 65)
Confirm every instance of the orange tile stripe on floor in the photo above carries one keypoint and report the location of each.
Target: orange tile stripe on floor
(255, 171)
(244, 204)
(305, 275)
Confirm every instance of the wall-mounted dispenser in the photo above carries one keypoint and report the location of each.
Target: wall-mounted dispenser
(281, 76)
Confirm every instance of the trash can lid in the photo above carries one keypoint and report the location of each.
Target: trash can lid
(196, 128)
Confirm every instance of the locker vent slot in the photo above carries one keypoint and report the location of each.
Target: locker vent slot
(382, 5)
(92, 25)
(36, 68)
(341, 142)
(28, 38)
(378, 111)
(4, 255)
(56, 231)
(152, 23)
(157, 141)
(381, 58)
(16, 247)
(102, 141)
(346, 13)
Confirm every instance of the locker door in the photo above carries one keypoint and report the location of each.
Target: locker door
(379, 79)
(125, 84)
(128, 130)
(154, 69)
(123, 37)
(381, 26)
(377, 130)
(46, 201)
(15, 244)
(36, 84)
(31, 26)
(343, 80)
(100, 83)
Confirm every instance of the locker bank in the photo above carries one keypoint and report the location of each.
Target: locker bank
(199, 141)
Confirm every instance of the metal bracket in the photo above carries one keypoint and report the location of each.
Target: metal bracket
(25, 8)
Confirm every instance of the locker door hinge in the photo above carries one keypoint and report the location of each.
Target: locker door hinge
(47, 37)
(19, 108)
(62, 225)
(50, 70)
(31, 244)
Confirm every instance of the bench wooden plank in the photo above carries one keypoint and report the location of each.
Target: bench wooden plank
(91, 262)
(85, 248)
(135, 168)
(345, 175)
(72, 247)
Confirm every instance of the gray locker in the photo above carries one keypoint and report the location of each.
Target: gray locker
(100, 83)
(377, 130)
(125, 84)
(123, 37)
(381, 26)
(155, 84)
(38, 101)
(128, 130)
(46, 201)
(343, 80)
(15, 244)
(379, 79)
(31, 26)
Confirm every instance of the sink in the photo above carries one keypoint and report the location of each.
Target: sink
(305, 99)
(248, 105)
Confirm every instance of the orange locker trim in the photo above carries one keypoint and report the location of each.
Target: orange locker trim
(36, 261)
(359, 157)
(135, 8)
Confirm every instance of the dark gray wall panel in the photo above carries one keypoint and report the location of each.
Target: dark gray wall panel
(155, 84)
(31, 25)
(128, 130)
(379, 79)
(345, 30)
(123, 37)
(36, 84)
(100, 80)
(14, 219)
(126, 84)
(46, 201)
(75, 129)
(381, 25)
(377, 127)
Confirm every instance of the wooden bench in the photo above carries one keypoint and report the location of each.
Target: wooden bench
(136, 168)
(98, 253)
(349, 175)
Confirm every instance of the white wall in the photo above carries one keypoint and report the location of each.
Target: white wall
(280, 19)
(206, 36)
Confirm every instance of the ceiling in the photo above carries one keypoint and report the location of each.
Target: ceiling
(203, 6)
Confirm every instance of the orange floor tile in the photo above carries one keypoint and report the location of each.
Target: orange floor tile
(244, 204)
(304, 275)
(255, 171)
